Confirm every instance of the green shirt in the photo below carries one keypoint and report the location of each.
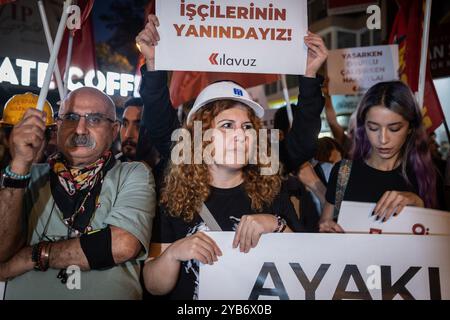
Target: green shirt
(127, 201)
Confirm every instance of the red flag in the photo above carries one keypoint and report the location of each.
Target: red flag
(186, 85)
(348, 6)
(433, 116)
(83, 49)
(407, 26)
(149, 9)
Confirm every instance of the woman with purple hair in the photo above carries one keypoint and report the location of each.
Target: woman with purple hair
(391, 162)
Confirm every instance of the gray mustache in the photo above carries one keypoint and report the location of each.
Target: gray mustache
(82, 140)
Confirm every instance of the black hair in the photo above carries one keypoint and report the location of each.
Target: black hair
(281, 120)
(135, 102)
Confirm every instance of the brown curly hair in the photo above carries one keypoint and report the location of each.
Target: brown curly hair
(187, 186)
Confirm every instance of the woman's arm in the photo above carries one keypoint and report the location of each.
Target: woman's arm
(159, 117)
(301, 141)
(161, 273)
(326, 223)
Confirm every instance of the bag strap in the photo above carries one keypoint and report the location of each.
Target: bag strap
(209, 219)
(343, 176)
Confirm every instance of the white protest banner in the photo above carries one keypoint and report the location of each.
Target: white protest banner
(248, 36)
(353, 71)
(317, 266)
(356, 217)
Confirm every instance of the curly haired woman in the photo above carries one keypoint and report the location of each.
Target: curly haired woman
(237, 195)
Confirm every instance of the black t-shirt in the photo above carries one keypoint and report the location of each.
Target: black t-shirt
(367, 184)
(227, 206)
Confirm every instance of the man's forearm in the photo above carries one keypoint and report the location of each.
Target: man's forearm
(62, 255)
(11, 235)
(67, 253)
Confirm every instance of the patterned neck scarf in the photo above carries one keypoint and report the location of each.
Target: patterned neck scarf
(76, 190)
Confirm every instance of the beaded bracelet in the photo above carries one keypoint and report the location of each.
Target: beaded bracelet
(16, 176)
(281, 224)
(40, 255)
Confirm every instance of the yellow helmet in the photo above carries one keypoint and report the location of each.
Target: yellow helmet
(16, 107)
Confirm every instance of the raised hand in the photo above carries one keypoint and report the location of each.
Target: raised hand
(27, 140)
(147, 39)
(317, 54)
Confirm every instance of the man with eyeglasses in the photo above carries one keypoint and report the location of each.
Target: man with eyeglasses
(77, 226)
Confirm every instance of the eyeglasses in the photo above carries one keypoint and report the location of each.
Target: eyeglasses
(92, 119)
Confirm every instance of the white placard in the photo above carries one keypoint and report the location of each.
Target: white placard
(356, 217)
(329, 266)
(248, 36)
(354, 70)
(2, 290)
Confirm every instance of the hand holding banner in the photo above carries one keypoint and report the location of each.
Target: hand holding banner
(355, 217)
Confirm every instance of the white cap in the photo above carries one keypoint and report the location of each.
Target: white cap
(225, 90)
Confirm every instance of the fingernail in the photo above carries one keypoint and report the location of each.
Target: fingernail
(384, 219)
(373, 213)
(395, 214)
(378, 217)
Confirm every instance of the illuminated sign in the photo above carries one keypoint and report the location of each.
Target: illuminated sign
(31, 73)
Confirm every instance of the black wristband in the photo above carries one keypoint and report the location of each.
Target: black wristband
(97, 247)
(35, 253)
(8, 182)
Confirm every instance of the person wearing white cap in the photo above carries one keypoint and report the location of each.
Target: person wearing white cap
(227, 196)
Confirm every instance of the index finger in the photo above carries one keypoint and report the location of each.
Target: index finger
(380, 202)
(153, 19)
(211, 242)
